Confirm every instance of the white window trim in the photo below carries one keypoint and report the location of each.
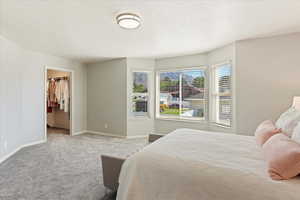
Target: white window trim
(213, 94)
(182, 119)
(141, 114)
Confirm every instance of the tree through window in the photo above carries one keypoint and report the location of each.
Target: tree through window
(140, 93)
(182, 94)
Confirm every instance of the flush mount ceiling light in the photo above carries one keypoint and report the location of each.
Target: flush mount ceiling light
(128, 21)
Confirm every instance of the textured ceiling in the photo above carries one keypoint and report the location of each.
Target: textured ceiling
(86, 29)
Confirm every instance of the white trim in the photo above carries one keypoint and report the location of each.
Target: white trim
(221, 63)
(179, 69)
(19, 148)
(176, 69)
(149, 94)
(34, 143)
(116, 136)
(191, 120)
(137, 136)
(220, 125)
(79, 132)
(9, 155)
(105, 134)
(72, 107)
(214, 94)
(139, 118)
(180, 95)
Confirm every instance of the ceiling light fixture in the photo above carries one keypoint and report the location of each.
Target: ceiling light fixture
(128, 21)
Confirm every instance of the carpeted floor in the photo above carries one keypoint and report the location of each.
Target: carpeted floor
(64, 168)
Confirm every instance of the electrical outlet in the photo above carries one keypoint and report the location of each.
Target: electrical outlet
(105, 125)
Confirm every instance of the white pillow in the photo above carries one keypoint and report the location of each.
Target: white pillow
(296, 133)
(288, 121)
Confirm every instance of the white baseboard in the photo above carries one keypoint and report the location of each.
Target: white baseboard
(117, 136)
(33, 143)
(9, 155)
(79, 133)
(106, 134)
(19, 148)
(136, 136)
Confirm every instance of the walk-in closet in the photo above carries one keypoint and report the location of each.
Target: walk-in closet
(58, 91)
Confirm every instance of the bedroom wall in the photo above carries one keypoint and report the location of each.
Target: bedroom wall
(206, 59)
(267, 77)
(107, 97)
(140, 125)
(22, 95)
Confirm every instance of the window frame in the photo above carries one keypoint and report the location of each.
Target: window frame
(214, 94)
(141, 114)
(180, 118)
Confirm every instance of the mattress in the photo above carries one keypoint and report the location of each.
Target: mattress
(199, 165)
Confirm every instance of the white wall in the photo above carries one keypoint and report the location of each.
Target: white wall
(137, 126)
(206, 59)
(107, 97)
(22, 95)
(267, 76)
(182, 61)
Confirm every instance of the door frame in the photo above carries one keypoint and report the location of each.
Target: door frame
(72, 107)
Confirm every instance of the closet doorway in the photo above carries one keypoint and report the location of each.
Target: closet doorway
(58, 101)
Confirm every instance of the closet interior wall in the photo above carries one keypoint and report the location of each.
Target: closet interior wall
(58, 118)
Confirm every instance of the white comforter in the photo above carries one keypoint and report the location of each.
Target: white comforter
(197, 165)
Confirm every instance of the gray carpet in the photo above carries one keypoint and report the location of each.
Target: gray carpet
(64, 168)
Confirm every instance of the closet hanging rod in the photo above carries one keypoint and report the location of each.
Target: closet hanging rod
(59, 78)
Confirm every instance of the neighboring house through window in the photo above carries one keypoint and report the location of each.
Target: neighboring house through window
(182, 94)
(140, 93)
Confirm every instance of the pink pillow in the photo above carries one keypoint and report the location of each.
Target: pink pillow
(264, 131)
(283, 157)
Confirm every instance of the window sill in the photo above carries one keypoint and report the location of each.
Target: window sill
(139, 117)
(202, 121)
(220, 125)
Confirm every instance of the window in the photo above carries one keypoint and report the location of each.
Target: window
(222, 94)
(140, 94)
(182, 94)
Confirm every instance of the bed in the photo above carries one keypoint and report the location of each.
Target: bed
(199, 165)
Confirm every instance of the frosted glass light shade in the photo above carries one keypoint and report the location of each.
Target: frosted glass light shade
(128, 21)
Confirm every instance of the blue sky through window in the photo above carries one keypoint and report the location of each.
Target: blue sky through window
(225, 70)
(195, 73)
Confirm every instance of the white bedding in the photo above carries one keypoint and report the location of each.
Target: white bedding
(197, 165)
